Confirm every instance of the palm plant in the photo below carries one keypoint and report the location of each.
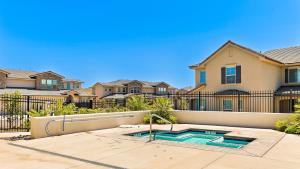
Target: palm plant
(161, 106)
(136, 103)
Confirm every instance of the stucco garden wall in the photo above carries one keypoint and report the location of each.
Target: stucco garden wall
(238, 119)
(89, 122)
(52, 126)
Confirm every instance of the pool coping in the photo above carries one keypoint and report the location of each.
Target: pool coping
(225, 132)
(262, 143)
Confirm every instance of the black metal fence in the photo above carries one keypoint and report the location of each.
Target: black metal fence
(14, 109)
(236, 101)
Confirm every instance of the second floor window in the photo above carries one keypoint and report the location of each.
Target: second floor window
(48, 83)
(76, 86)
(108, 89)
(230, 75)
(68, 85)
(293, 75)
(162, 90)
(134, 90)
(202, 77)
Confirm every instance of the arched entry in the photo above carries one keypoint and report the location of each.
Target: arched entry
(70, 99)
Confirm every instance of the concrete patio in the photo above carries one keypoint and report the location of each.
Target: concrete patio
(109, 148)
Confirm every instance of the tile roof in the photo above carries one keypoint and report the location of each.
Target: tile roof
(285, 55)
(232, 92)
(124, 82)
(72, 80)
(288, 90)
(188, 88)
(118, 96)
(34, 92)
(24, 74)
(282, 56)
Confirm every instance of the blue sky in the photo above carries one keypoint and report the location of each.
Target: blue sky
(148, 40)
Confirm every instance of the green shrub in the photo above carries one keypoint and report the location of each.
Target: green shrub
(290, 125)
(60, 109)
(147, 118)
(297, 106)
(281, 125)
(136, 103)
(12, 103)
(115, 109)
(294, 117)
(87, 111)
(40, 113)
(173, 119)
(162, 107)
(293, 129)
(183, 104)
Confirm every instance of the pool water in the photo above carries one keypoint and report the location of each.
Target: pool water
(212, 138)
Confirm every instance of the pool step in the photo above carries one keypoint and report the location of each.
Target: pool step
(198, 136)
(222, 144)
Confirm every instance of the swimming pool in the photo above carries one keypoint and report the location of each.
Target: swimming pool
(213, 138)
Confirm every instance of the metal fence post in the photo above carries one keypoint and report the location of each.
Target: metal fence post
(239, 102)
(28, 103)
(199, 101)
(274, 101)
(91, 104)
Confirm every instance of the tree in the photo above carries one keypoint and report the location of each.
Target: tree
(12, 106)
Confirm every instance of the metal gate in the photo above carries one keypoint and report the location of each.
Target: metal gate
(13, 113)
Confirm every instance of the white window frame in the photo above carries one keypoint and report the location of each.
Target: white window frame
(225, 109)
(227, 75)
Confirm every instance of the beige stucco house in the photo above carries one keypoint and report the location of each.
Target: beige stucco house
(121, 89)
(235, 68)
(42, 84)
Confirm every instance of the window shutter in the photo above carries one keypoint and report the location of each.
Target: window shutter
(223, 75)
(238, 74)
(286, 75)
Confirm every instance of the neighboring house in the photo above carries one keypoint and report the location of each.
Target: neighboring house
(41, 84)
(237, 68)
(184, 90)
(121, 89)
